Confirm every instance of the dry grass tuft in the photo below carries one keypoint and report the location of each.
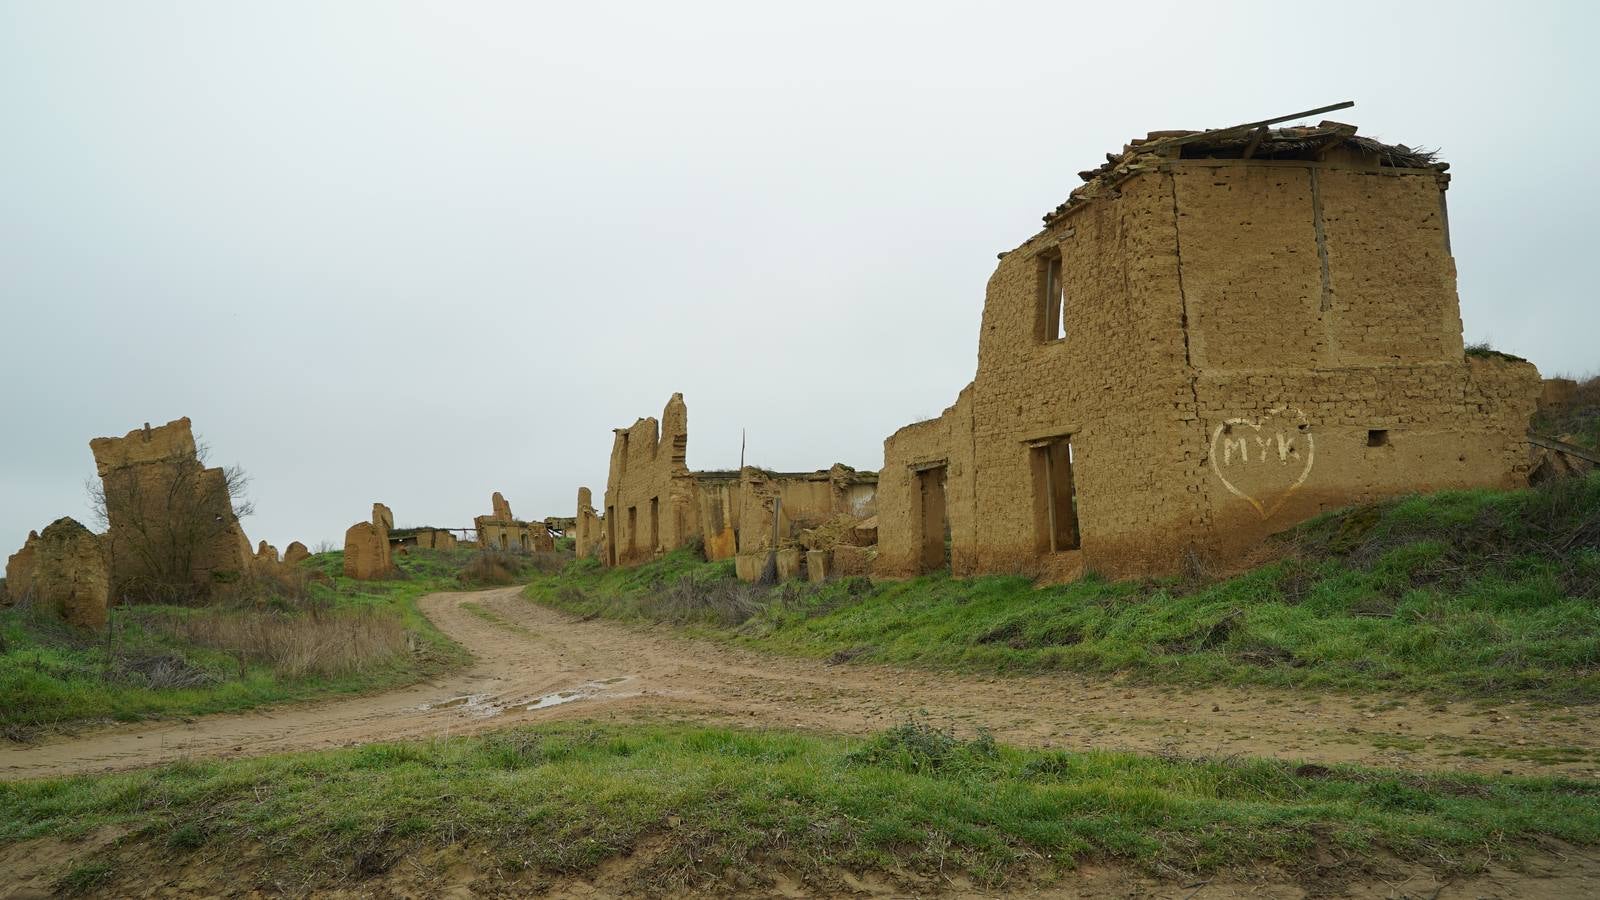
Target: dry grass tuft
(317, 642)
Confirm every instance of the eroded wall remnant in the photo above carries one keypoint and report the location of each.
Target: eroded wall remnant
(366, 546)
(295, 553)
(503, 531)
(71, 574)
(427, 538)
(171, 522)
(1218, 335)
(19, 571)
(654, 503)
(589, 532)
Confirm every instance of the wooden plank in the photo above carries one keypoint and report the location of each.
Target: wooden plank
(1255, 141)
(1550, 443)
(1168, 143)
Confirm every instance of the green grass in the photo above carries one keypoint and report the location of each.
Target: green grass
(562, 798)
(1479, 593)
(51, 674)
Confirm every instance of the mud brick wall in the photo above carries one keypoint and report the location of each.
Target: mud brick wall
(143, 474)
(649, 469)
(1246, 343)
(587, 532)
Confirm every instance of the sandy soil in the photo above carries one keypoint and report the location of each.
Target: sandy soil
(534, 664)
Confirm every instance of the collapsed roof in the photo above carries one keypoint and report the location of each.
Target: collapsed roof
(1251, 140)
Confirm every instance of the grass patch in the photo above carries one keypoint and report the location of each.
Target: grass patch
(562, 798)
(338, 636)
(1484, 593)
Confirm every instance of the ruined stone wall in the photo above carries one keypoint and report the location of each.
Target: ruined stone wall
(19, 571)
(1115, 386)
(71, 574)
(655, 504)
(295, 553)
(502, 531)
(809, 499)
(911, 456)
(586, 533)
(651, 500)
(436, 539)
(719, 507)
(366, 546)
(1246, 343)
(166, 511)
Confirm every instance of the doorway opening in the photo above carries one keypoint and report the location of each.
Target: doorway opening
(934, 524)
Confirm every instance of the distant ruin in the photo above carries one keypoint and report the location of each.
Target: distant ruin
(426, 538)
(502, 531)
(366, 546)
(172, 523)
(655, 504)
(1218, 335)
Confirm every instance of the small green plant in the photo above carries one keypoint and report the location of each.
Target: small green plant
(85, 877)
(918, 747)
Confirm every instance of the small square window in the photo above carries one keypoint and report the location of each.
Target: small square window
(1378, 437)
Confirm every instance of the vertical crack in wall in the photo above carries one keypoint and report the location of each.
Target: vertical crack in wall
(1322, 240)
(1188, 362)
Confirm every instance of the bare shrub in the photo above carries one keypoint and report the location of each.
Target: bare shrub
(318, 642)
(166, 525)
(491, 567)
(724, 601)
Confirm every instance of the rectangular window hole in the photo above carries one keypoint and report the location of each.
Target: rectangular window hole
(1378, 437)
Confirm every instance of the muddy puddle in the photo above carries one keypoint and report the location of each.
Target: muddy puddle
(485, 705)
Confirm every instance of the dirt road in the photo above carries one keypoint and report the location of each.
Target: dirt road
(534, 664)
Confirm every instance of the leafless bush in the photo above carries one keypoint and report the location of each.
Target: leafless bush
(724, 601)
(320, 643)
(166, 525)
(491, 567)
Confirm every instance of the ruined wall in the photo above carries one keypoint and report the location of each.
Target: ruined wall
(651, 503)
(436, 539)
(809, 499)
(587, 532)
(166, 511)
(913, 458)
(71, 574)
(655, 504)
(19, 571)
(1246, 343)
(502, 531)
(266, 556)
(366, 546)
(295, 554)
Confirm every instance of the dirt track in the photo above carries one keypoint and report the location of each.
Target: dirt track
(534, 664)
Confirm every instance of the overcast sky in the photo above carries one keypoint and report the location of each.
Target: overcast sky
(419, 252)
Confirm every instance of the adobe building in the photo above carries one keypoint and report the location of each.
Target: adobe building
(655, 504)
(501, 530)
(1218, 335)
(422, 537)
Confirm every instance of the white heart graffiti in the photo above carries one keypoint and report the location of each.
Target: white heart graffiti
(1280, 447)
